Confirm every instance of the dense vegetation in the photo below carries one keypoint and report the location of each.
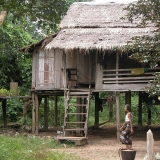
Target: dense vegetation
(147, 48)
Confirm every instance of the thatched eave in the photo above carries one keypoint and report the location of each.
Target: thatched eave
(42, 43)
(100, 39)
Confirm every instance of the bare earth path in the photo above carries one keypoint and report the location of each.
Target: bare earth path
(103, 145)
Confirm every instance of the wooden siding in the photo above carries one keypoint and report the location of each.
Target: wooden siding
(47, 69)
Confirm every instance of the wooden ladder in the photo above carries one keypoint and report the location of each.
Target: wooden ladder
(77, 104)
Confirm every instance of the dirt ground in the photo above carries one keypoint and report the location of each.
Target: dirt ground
(103, 143)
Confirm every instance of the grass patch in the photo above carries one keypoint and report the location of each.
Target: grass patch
(32, 148)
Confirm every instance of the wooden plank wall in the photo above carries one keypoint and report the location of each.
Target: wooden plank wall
(47, 69)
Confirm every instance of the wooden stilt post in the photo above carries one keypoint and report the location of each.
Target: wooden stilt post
(4, 102)
(140, 111)
(55, 111)
(46, 110)
(128, 98)
(37, 109)
(149, 116)
(96, 123)
(118, 114)
(33, 114)
(111, 107)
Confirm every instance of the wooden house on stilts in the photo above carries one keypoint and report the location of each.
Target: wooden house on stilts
(85, 57)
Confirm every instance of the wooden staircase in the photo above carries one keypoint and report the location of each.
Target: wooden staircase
(77, 104)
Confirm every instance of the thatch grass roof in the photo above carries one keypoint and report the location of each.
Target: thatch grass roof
(97, 26)
(42, 43)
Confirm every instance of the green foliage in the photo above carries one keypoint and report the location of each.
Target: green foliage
(5, 92)
(12, 61)
(154, 85)
(16, 148)
(146, 49)
(46, 14)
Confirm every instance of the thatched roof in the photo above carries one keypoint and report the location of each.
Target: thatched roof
(97, 26)
(42, 43)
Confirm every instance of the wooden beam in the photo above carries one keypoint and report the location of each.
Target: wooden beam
(140, 111)
(4, 102)
(46, 110)
(96, 123)
(118, 114)
(55, 111)
(33, 114)
(37, 109)
(111, 107)
(149, 116)
(128, 98)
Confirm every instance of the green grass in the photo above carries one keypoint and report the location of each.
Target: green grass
(32, 148)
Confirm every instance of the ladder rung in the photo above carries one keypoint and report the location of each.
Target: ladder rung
(74, 129)
(72, 96)
(78, 93)
(75, 122)
(78, 105)
(76, 113)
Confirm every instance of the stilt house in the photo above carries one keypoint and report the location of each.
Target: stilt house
(85, 57)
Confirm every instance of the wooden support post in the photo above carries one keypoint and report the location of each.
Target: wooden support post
(128, 98)
(33, 114)
(150, 145)
(55, 111)
(46, 110)
(4, 102)
(118, 114)
(37, 109)
(111, 107)
(96, 123)
(140, 111)
(149, 116)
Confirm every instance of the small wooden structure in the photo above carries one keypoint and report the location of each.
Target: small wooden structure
(88, 56)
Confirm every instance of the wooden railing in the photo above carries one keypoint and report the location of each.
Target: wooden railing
(125, 76)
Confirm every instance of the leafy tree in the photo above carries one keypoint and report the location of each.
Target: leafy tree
(147, 48)
(12, 61)
(46, 14)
